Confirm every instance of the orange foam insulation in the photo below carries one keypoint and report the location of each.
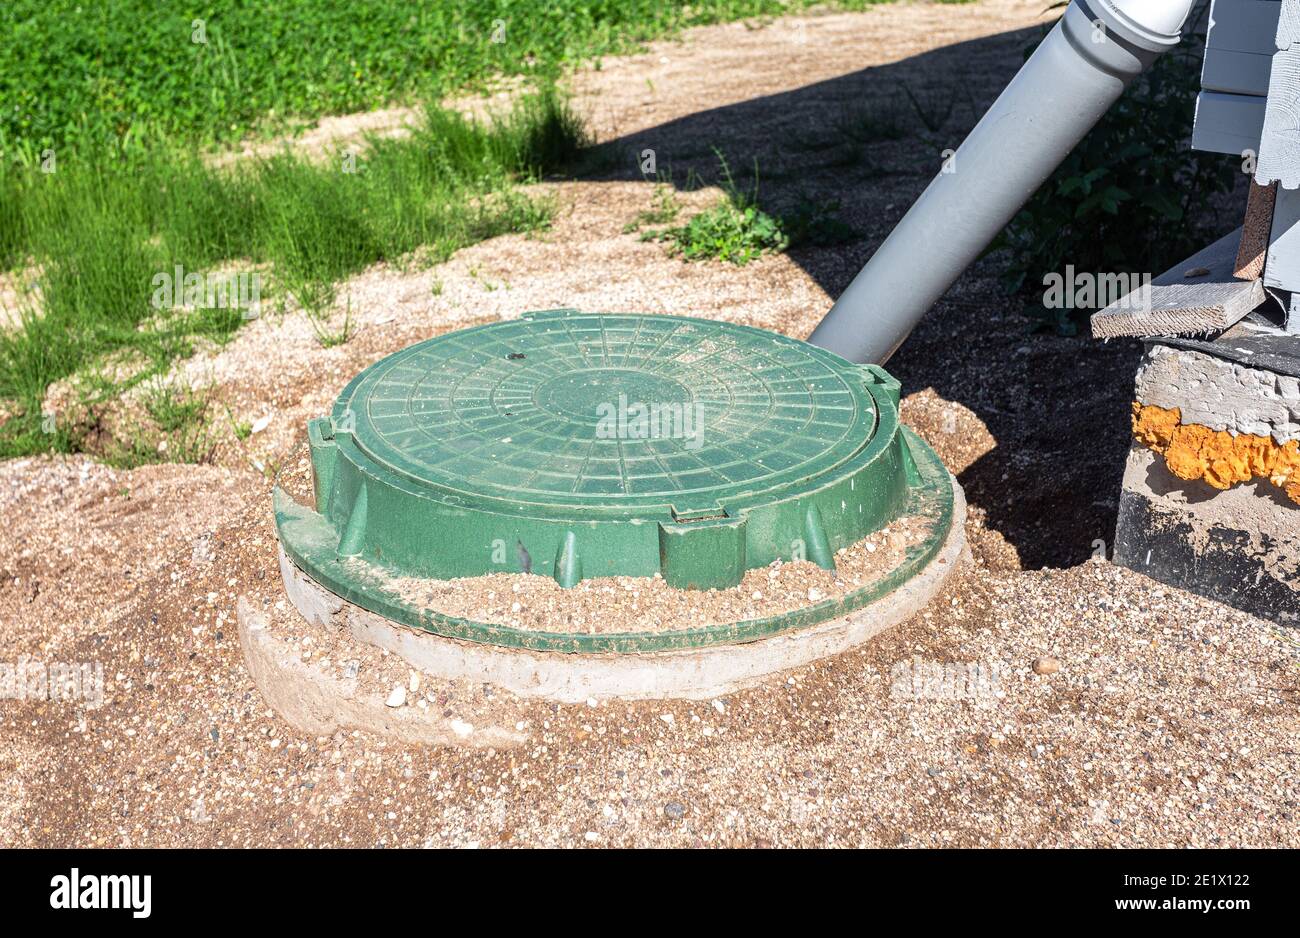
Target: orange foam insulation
(1220, 458)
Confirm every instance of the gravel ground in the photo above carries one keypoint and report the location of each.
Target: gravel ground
(1162, 720)
(603, 605)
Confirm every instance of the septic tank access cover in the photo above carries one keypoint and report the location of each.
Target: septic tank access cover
(579, 445)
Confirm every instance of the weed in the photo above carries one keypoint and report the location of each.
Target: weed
(174, 406)
(735, 230)
(327, 336)
(664, 209)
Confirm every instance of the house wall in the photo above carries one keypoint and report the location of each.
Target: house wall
(1239, 50)
(1249, 107)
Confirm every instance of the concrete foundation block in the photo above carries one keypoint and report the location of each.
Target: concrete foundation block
(1240, 546)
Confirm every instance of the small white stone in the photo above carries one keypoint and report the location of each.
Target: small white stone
(461, 728)
(757, 595)
(397, 698)
(413, 684)
(667, 718)
(814, 595)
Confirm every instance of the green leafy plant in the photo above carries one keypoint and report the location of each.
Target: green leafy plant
(1131, 197)
(734, 230)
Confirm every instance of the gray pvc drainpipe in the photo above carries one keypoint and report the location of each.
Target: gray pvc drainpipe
(1070, 81)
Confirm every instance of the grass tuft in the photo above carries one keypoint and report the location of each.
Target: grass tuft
(105, 234)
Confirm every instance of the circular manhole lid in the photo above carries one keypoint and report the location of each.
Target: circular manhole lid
(568, 412)
(578, 445)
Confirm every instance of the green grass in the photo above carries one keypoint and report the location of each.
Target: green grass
(75, 75)
(102, 232)
(121, 100)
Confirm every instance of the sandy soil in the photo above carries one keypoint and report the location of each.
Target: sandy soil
(1172, 720)
(605, 605)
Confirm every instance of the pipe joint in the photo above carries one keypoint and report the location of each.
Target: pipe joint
(1153, 25)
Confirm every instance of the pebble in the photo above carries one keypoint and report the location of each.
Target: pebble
(675, 810)
(397, 698)
(1046, 665)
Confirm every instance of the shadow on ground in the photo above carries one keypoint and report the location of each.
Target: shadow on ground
(863, 146)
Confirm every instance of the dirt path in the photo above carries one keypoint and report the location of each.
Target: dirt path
(1173, 721)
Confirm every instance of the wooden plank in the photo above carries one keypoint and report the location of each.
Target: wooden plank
(1256, 231)
(1279, 146)
(1282, 269)
(1244, 26)
(1236, 72)
(1288, 26)
(1199, 296)
(1228, 123)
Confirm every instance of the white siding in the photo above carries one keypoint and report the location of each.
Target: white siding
(1236, 72)
(1235, 79)
(1228, 123)
(1244, 26)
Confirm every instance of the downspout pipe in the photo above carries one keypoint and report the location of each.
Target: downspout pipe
(1096, 49)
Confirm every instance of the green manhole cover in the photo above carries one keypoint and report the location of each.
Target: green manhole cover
(578, 445)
